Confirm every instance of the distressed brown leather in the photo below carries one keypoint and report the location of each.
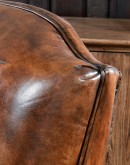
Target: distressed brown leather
(56, 99)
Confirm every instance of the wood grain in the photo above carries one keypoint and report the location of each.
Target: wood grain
(119, 147)
(69, 8)
(41, 3)
(108, 34)
(51, 39)
(119, 9)
(96, 8)
(115, 33)
(87, 8)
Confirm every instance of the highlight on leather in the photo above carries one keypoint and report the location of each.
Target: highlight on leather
(56, 99)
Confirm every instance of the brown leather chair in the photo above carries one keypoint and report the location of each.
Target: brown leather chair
(56, 99)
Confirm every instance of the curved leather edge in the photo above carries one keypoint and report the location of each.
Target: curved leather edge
(109, 75)
(65, 29)
(102, 120)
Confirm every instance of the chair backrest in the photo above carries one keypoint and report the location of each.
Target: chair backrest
(56, 99)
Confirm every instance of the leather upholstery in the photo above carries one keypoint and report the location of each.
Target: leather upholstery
(54, 95)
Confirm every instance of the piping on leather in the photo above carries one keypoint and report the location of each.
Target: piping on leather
(99, 67)
(60, 30)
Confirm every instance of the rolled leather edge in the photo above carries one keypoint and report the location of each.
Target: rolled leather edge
(98, 142)
(110, 77)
